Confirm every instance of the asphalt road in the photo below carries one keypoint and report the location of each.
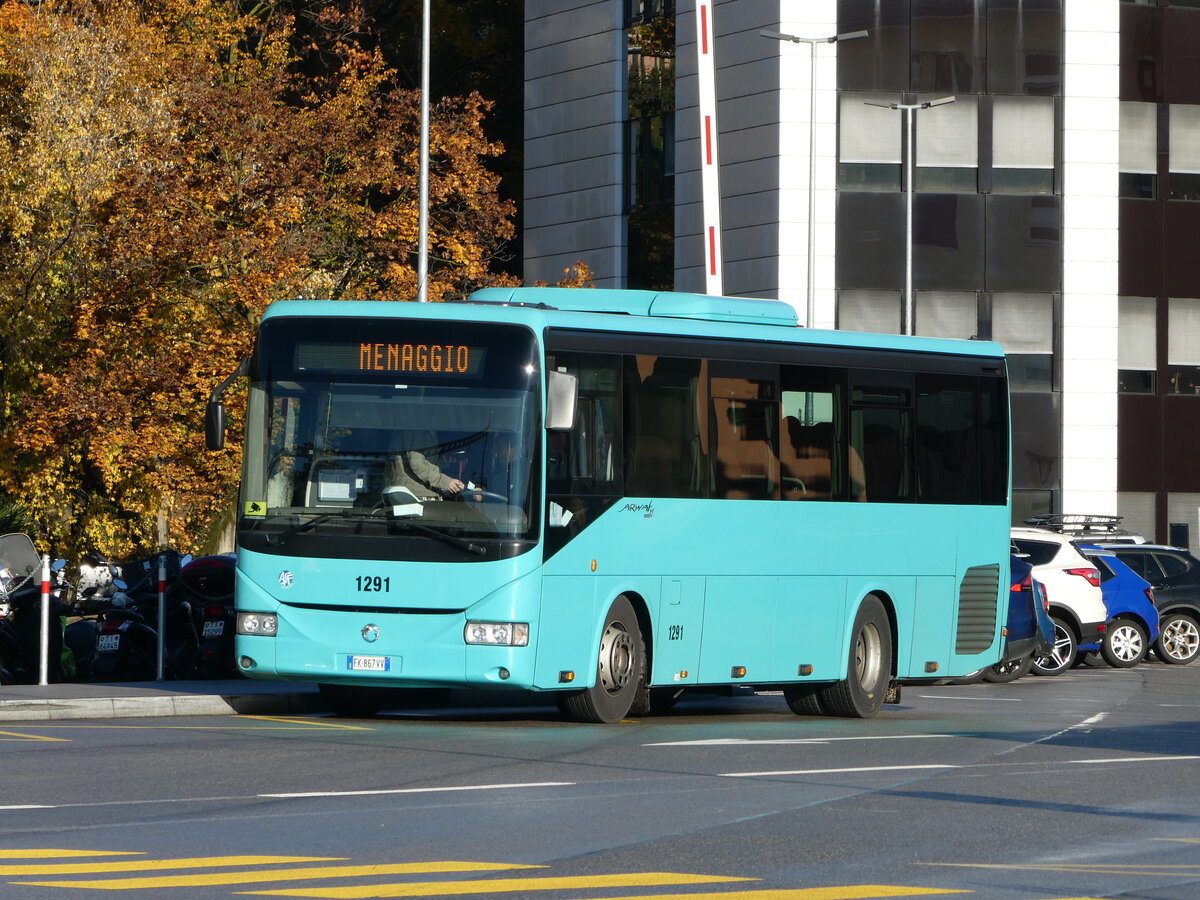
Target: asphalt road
(1079, 786)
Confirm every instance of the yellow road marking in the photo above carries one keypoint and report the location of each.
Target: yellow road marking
(18, 736)
(218, 878)
(315, 723)
(57, 854)
(158, 865)
(499, 885)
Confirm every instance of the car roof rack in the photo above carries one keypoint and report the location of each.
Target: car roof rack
(1079, 525)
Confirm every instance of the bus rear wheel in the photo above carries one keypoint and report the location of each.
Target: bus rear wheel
(869, 671)
(620, 670)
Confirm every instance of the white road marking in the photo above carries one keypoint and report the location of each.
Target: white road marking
(835, 771)
(424, 790)
(746, 742)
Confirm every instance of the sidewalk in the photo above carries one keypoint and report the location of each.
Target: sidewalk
(37, 703)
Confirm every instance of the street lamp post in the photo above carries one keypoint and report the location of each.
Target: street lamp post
(909, 110)
(423, 173)
(812, 146)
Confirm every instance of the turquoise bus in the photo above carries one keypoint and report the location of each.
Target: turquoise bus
(613, 497)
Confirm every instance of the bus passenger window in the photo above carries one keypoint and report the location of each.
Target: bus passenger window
(586, 459)
(745, 420)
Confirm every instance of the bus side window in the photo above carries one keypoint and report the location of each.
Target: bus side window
(745, 419)
(809, 459)
(881, 431)
(586, 459)
(665, 454)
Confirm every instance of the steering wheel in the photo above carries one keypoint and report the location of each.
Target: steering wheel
(485, 494)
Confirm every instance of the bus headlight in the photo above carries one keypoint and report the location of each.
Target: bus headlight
(261, 624)
(497, 634)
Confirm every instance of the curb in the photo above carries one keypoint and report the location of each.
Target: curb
(57, 709)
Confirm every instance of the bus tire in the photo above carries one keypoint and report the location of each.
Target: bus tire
(351, 701)
(620, 670)
(869, 669)
(804, 699)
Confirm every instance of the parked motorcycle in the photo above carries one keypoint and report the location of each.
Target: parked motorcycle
(127, 628)
(21, 616)
(207, 584)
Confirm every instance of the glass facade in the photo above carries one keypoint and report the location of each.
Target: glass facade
(986, 223)
(1159, 284)
(650, 143)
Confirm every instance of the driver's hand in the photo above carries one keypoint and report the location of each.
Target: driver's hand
(455, 486)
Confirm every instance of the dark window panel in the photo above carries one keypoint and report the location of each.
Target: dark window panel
(1180, 461)
(1024, 47)
(1180, 238)
(1022, 181)
(868, 177)
(948, 242)
(1024, 247)
(870, 240)
(1140, 251)
(947, 46)
(1138, 185)
(1181, 31)
(1037, 448)
(1141, 75)
(1185, 186)
(878, 62)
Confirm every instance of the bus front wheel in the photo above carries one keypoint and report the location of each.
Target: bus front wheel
(620, 670)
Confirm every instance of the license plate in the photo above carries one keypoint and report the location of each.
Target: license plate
(369, 663)
(108, 643)
(212, 629)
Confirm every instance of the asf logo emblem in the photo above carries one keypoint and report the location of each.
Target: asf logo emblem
(370, 633)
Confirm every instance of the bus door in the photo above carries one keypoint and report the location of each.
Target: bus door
(677, 636)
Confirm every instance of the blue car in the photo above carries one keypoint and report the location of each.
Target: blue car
(1029, 630)
(1132, 614)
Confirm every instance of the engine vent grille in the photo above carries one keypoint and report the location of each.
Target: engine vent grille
(977, 597)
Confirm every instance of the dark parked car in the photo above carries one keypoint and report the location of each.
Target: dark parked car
(1133, 618)
(1175, 576)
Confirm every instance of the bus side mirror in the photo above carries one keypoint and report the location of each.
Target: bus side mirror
(562, 390)
(214, 425)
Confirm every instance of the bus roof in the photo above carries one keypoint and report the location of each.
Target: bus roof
(641, 312)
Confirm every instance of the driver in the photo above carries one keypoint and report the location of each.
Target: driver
(413, 470)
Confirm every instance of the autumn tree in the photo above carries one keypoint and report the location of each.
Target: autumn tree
(170, 168)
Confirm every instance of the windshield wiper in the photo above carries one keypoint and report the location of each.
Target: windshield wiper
(460, 543)
(274, 540)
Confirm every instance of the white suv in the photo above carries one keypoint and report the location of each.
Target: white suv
(1072, 585)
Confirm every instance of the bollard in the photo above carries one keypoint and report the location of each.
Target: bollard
(44, 653)
(162, 613)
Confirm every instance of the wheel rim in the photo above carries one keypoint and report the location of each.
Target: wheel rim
(1126, 643)
(1006, 668)
(1180, 639)
(1060, 656)
(616, 657)
(867, 655)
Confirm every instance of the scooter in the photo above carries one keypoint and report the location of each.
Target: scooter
(207, 584)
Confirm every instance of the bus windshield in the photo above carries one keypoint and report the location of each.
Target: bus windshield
(405, 440)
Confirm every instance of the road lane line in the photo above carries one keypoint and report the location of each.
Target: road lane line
(312, 873)
(43, 853)
(738, 742)
(424, 790)
(19, 736)
(834, 771)
(503, 885)
(156, 865)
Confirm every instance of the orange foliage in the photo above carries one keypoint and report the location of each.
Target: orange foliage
(169, 168)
